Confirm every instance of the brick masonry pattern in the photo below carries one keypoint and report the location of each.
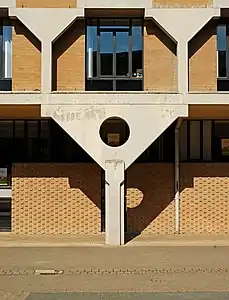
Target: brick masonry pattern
(182, 3)
(47, 3)
(56, 199)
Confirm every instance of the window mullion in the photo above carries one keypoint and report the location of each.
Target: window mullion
(227, 56)
(114, 54)
(98, 50)
(130, 48)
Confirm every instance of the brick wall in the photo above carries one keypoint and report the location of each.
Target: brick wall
(46, 3)
(202, 60)
(69, 59)
(56, 199)
(149, 198)
(182, 3)
(204, 204)
(160, 61)
(26, 59)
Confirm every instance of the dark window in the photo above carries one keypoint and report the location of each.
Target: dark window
(5, 58)
(222, 57)
(162, 149)
(114, 55)
(5, 214)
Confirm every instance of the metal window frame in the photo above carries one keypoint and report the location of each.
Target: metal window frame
(114, 77)
(224, 23)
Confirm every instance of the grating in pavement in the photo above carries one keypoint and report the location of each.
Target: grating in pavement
(20, 272)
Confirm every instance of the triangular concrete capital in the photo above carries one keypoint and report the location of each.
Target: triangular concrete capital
(180, 23)
(146, 123)
(46, 23)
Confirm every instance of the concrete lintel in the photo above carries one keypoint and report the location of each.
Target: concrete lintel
(188, 20)
(206, 98)
(221, 3)
(114, 4)
(47, 24)
(138, 98)
(21, 98)
(8, 3)
(114, 202)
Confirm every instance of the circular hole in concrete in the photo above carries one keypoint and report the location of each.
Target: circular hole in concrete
(114, 132)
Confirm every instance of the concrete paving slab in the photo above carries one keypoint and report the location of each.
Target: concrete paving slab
(132, 296)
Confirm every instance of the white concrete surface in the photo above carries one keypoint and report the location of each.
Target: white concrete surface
(7, 3)
(114, 202)
(82, 123)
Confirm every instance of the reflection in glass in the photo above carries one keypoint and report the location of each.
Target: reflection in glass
(221, 37)
(137, 51)
(122, 53)
(106, 53)
(92, 48)
(7, 50)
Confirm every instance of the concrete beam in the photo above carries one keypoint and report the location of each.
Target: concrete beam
(110, 4)
(7, 3)
(114, 202)
(221, 4)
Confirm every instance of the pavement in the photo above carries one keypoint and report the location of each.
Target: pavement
(98, 240)
(135, 271)
(193, 272)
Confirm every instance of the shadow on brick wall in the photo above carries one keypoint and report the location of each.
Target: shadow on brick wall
(149, 197)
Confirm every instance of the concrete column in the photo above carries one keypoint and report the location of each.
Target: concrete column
(183, 73)
(114, 202)
(177, 177)
(46, 67)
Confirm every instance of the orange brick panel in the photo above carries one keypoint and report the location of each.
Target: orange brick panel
(160, 61)
(46, 3)
(150, 199)
(182, 3)
(56, 199)
(204, 204)
(202, 60)
(26, 60)
(69, 59)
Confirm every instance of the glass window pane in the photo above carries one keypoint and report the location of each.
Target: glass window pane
(129, 85)
(7, 50)
(32, 129)
(106, 53)
(194, 140)
(222, 61)
(19, 129)
(92, 48)
(99, 85)
(137, 47)
(221, 37)
(6, 129)
(122, 53)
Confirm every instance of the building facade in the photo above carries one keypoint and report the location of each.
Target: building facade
(114, 117)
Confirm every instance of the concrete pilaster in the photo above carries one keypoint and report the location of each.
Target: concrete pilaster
(114, 202)
(183, 72)
(46, 67)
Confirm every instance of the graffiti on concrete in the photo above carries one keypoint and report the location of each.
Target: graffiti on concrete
(88, 113)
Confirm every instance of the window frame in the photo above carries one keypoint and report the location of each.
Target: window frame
(114, 77)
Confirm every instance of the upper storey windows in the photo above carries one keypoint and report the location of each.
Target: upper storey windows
(223, 57)
(5, 58)
(114, 58)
